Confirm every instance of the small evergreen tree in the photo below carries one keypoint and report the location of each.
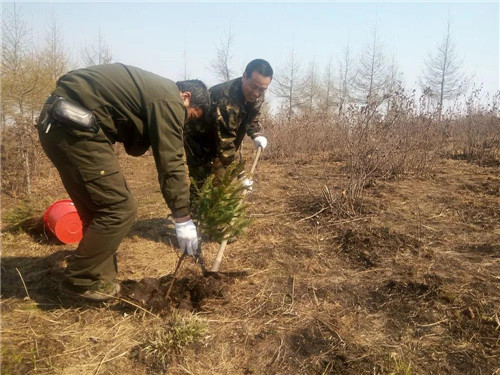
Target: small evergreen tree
(219, 209)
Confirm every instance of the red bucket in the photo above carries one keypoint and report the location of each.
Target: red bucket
(62, 219)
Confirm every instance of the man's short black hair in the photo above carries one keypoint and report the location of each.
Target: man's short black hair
(200, 97)
(260, 66)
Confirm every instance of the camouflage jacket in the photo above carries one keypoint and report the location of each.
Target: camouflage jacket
(220, 133)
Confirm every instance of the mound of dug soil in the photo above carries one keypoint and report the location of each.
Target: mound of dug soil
(188, 292)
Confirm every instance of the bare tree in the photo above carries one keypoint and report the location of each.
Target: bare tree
(97, 52)
(16, 40)
(393, 75)
(371, 77)
(186, 72)
(23, 76)
(442, 77)
(346, 78)
(25, 85)
(286, 83)
(220, 65)
(309, 89)
(394, 82)
(328, 91)
(55, 59)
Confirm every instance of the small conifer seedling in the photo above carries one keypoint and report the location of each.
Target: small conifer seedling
(219, 209)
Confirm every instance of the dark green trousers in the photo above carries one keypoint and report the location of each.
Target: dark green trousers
(92, 177)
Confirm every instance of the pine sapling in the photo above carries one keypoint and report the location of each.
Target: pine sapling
(219, 208)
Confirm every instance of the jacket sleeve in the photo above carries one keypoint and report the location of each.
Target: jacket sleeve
(226, 125)
(166, 136)
(254, 129)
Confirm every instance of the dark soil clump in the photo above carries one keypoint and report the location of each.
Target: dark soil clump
(188, 292)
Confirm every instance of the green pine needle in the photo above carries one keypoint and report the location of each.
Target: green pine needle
(219, 209)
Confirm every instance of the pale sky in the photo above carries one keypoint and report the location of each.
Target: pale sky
(153, 35)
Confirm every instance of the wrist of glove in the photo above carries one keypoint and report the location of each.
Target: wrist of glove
(187, 237)
(260, 141)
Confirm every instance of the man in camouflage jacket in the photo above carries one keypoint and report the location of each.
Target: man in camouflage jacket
(211, 143)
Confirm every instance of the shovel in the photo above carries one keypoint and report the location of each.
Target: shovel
(218, 259)
(216, 274)
(174, 276)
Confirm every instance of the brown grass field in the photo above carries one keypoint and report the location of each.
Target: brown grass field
(410, 286)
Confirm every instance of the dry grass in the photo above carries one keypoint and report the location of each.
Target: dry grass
(166, 340)
(407, 286)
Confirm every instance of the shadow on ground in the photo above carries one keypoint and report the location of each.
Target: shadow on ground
(155, 229)
(37, 279)
(34, 277)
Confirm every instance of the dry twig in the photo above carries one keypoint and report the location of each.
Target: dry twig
(26, 289)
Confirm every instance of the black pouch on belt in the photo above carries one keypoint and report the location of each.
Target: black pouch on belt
(74, 115)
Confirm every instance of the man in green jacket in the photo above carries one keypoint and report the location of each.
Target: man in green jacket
(211, 143)
(91, 109)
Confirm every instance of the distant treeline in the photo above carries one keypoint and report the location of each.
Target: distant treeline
(354, 110)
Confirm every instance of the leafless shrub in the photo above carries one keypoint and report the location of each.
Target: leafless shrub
(21, 157)
(372, 142)
(303, 136)
(475, 136)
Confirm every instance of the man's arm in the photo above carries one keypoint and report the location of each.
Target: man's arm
(254, 128)
(166, 136)
(227, 130)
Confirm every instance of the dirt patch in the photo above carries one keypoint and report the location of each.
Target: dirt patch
(407, 304)
(309, 341)
(482, 214)
(365, 248)
(474, 325)
(490, 186)
(482, 249)
(321, 346)
(188, 292)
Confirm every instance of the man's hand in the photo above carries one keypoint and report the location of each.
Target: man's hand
(187, 237)
(260, 141)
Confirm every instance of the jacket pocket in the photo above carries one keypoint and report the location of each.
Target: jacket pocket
(105, 184)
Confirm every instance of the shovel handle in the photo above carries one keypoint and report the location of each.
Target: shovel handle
(175, 275)
(222, 247)
(255, 160)
(218, 258)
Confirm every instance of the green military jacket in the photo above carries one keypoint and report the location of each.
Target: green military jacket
(222, 131)
(141, 110)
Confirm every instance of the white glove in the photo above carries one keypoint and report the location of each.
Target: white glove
(187, 237)
(260, 141)
(247, 184)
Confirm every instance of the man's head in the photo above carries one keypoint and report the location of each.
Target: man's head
(256, 79)
(195, 96)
